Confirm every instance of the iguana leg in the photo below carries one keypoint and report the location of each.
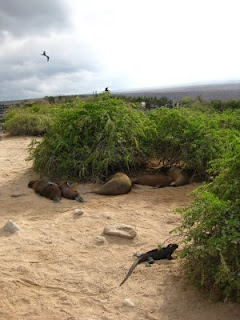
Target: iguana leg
(149, 261)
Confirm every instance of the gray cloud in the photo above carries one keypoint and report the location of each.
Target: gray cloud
(21, 17)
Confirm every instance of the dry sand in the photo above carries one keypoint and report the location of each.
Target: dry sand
(53, 267)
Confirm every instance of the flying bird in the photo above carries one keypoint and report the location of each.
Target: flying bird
(44, 54)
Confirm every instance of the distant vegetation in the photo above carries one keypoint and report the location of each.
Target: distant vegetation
(89, 139)
(29, 119)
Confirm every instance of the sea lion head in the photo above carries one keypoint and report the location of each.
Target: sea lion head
(31, 183)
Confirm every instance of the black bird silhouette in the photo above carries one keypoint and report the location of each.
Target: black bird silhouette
(106, 89)
(44, 54)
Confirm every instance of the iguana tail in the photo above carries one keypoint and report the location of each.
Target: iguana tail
(130, 271)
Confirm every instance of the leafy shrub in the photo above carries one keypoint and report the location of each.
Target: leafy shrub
(30, 119)
(28, 124)
(224, 105)
(188, 136)
(92, 139)
(211, 229)
(229, 119)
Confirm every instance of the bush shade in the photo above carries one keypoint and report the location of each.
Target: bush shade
(211, 229)
(93, 139)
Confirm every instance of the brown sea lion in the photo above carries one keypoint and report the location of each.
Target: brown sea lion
(179, 176)
(69, 192)
(118, 184)
(157, 181)
(46, 189)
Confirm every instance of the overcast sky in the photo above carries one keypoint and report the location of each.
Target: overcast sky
(127, 44)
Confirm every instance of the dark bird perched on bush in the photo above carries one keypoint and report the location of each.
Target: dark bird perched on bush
(44, 54)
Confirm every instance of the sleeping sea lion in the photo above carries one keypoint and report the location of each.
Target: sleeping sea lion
(118, 184)
(69, 192)
(46, 189)
(179, 176)
(157, 181)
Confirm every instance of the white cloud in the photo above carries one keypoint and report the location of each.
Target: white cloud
(122, 45)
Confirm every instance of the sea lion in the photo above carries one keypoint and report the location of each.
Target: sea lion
(118, 184)
(179, 176)
(151, 256)
(157, 181)
(69, 192)
(46, 189)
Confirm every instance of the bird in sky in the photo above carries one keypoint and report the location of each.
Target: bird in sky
(44, 54)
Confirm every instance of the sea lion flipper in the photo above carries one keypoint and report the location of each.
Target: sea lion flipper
(79, 199)
(68, 184)
(57, 201)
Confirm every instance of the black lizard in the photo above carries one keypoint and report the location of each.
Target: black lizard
(150, 256)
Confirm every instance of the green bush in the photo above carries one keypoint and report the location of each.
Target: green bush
(28, 124)
(229, 119)
(211, 229)
(188, 136)
(224, 105)
(92, 139)
(29, 120)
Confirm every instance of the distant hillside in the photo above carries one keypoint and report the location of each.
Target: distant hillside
(225, 91)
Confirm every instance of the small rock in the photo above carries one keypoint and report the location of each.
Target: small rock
(11, 227)
(120, 230)
(47, 241)
(128, 303)
(16, 194)
(100, 239)
(78, 212)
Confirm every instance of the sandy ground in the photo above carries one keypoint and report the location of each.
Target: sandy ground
(53, 268)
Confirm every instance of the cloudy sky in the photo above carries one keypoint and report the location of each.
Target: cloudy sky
(127, 44)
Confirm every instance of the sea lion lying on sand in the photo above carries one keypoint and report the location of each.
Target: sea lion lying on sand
(69, 192)
(118, 184)
(46, 189)
(157, 181)
(179, 176)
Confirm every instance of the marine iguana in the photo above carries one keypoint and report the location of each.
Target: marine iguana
(150, 256)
